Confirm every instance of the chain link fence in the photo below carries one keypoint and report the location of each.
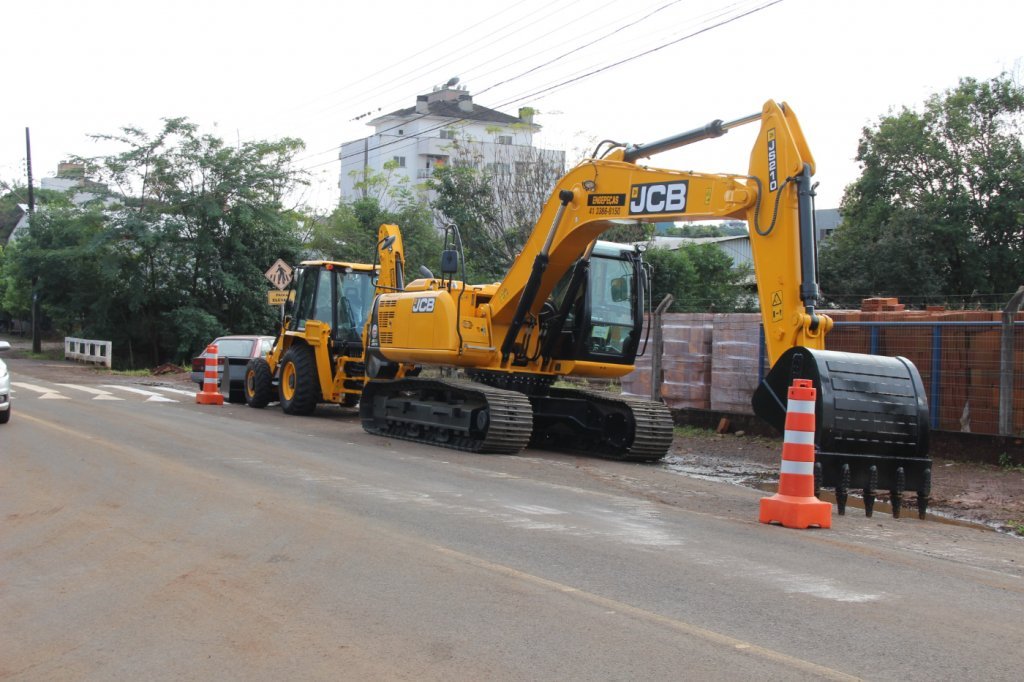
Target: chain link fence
(971, 362)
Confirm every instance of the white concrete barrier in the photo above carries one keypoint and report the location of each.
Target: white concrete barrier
(87, 350)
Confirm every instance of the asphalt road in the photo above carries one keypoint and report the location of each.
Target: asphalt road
(143, 536)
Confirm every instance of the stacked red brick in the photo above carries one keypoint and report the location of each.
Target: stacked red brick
(735, 352)
(710, 361)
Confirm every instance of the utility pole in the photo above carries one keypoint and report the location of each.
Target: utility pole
(37, 342)
(1006, 363)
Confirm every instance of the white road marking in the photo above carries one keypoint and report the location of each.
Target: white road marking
(98, 394)
(45, 393)
(179, 391)
(151, 396)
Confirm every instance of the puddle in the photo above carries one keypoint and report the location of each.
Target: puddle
(766, 479)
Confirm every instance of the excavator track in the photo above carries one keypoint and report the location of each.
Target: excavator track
(461, 415)
(601, 424)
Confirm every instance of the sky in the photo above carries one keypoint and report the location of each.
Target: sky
(606, 69)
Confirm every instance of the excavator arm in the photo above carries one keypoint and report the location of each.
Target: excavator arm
(775, 197)
(872, 428)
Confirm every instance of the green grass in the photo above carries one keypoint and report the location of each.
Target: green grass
(1007, 464)
(131, 372)
(56, 354)
(1016, 527)
(687, 431)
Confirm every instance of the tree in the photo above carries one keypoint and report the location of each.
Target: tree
(700, 277)
(496, 206)
(938, 210)
(181, 259)
(350, 234)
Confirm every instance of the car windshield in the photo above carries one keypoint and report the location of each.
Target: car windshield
(235, 348)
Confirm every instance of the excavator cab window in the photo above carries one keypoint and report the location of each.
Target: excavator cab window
(612, 309)
(595, 313)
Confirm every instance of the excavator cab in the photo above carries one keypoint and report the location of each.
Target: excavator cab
(595, 312)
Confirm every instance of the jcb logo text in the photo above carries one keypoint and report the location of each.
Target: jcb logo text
(423, 305)
(658, 197)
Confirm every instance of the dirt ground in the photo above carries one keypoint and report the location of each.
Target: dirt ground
(986, 494)
(964, 491)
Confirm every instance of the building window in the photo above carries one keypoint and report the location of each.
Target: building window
(401, 131)
(448, 134)
(498, 169)
(504, 139)
(400, 161)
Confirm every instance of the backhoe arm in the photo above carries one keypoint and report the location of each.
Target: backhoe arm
(391, 252)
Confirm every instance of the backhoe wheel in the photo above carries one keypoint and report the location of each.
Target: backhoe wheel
(259, 383)
(298, 387)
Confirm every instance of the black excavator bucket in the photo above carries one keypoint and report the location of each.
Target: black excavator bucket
(872, 422)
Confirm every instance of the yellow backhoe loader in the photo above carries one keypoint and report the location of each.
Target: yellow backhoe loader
(573, 306)
(318, 354)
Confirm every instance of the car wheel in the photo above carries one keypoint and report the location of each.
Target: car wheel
(5, 416)
(259, 384)
(298, 387)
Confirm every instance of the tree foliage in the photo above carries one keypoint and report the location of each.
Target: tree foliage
(700, 277)
(495, 206)
(350, 234)
(180, 259)
(938, 211)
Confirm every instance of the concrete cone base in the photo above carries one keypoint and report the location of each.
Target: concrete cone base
(796, 512)
(204, 398)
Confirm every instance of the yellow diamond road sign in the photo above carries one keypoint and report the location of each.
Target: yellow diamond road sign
(279, 274)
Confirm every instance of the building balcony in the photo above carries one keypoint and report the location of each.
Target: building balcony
(433, 146)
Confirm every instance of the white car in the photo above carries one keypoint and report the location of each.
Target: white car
(5, 388)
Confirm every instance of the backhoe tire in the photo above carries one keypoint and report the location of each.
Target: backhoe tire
(259, 383)
(298, 387)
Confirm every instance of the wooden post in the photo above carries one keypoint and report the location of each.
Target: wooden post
(1006, 364)
(659, 346)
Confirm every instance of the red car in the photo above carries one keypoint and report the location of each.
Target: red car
(241, 347)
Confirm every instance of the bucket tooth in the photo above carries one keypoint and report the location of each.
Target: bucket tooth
(923, 493)
(897, 492)
(843, 489)
(869, 491)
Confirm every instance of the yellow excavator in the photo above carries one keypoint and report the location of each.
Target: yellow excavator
(573, 306)
(317, 356)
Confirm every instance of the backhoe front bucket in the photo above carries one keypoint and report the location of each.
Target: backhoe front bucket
(872, 422)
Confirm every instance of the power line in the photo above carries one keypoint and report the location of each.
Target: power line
(545, 91)
(452, 55)
(549, 62)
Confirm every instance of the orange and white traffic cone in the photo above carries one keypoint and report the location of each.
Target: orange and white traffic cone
(210, 395)
(795, 505)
